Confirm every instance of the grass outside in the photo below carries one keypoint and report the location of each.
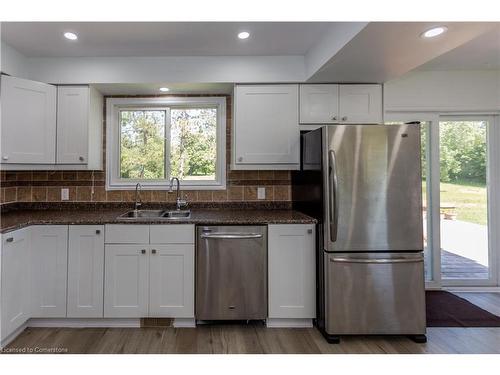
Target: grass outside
(469, 198)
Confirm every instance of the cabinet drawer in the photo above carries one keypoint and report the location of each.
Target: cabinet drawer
(123, 233)
(172, 233)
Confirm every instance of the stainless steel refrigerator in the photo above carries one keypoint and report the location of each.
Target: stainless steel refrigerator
(363, 183)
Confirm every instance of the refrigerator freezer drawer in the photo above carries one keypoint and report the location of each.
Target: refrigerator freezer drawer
(375, 293)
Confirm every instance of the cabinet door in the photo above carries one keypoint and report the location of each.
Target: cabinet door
(28, 121)
(86, 271)
(360, 104)
(171, 286)
(72, 124)
(126, 281)
(15, 293)
(266, 127)
(319, 104)
(292, 271)
(49, 254)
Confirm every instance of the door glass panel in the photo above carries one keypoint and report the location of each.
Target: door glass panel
(463, 200)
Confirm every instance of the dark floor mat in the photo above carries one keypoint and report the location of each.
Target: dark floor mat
(445, 309)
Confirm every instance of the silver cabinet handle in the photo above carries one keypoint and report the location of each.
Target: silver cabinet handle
(333, 209)
(334, 118)
(143, 251)
(344, 118)
(5, 157)
(376, 261)
(153, 251)
(236, 236)
(81, 158)
(10, 239)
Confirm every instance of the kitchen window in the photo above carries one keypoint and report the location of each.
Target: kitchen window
(150, 140)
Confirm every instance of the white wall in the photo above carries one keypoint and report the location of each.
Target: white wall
(444, 91)
(13, 62)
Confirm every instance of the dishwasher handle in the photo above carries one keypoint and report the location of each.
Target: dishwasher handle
(236, 236)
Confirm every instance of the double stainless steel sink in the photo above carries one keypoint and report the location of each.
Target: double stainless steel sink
(136, 215)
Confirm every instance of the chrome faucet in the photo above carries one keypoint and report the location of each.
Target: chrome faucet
(138, 200)
(179, 202)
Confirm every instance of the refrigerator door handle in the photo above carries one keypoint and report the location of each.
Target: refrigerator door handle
(376, 261)
(334, 212)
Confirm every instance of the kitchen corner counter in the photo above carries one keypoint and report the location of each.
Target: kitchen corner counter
(19, 218)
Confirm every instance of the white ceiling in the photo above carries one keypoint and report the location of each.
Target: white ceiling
(45, 39)
(481, 53)
(386, 50)
(204, 56)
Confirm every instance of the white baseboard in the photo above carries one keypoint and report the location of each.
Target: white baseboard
(85, 323)
(6, 341)
(184, 323)
(288, 323)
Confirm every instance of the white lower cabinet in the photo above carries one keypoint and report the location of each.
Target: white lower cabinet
(154, 278)
(15, 280)
(126, 281)
(171, 281)
(49, 256)
(85, 271)
(292, 270)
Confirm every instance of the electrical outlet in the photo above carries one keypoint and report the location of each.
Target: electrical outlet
(261, 193)
(65, 194)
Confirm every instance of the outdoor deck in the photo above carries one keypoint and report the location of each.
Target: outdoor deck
(464, 253)
(454, 266)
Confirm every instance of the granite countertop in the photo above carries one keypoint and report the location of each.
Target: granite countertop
(20, 217)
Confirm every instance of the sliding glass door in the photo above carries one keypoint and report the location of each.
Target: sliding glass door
(460, 198)
(466, 254)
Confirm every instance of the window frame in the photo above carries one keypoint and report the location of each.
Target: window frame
(113, 140)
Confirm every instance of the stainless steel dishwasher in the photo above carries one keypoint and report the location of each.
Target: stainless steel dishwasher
(231, 272)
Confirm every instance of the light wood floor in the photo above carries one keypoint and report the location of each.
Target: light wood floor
(256, 338)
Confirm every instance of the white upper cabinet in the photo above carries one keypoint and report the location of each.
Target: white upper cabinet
(49, 255)
(49, 127)
(340, 104)
(319, 104)
(79, 126)
(292, 271)
(85, 271)
(15, 281)
(28, 121)
(72, 124)
(266, 127)
(360, 104)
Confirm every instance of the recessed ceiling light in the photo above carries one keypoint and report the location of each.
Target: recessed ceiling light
(70, 36)
(164, 89)
(435, 31)
(244, 35)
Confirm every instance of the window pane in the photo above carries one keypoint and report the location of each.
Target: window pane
(193, 146)
(463, 191)
(142, 144)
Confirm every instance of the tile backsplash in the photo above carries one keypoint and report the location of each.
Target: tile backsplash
(89, 186)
